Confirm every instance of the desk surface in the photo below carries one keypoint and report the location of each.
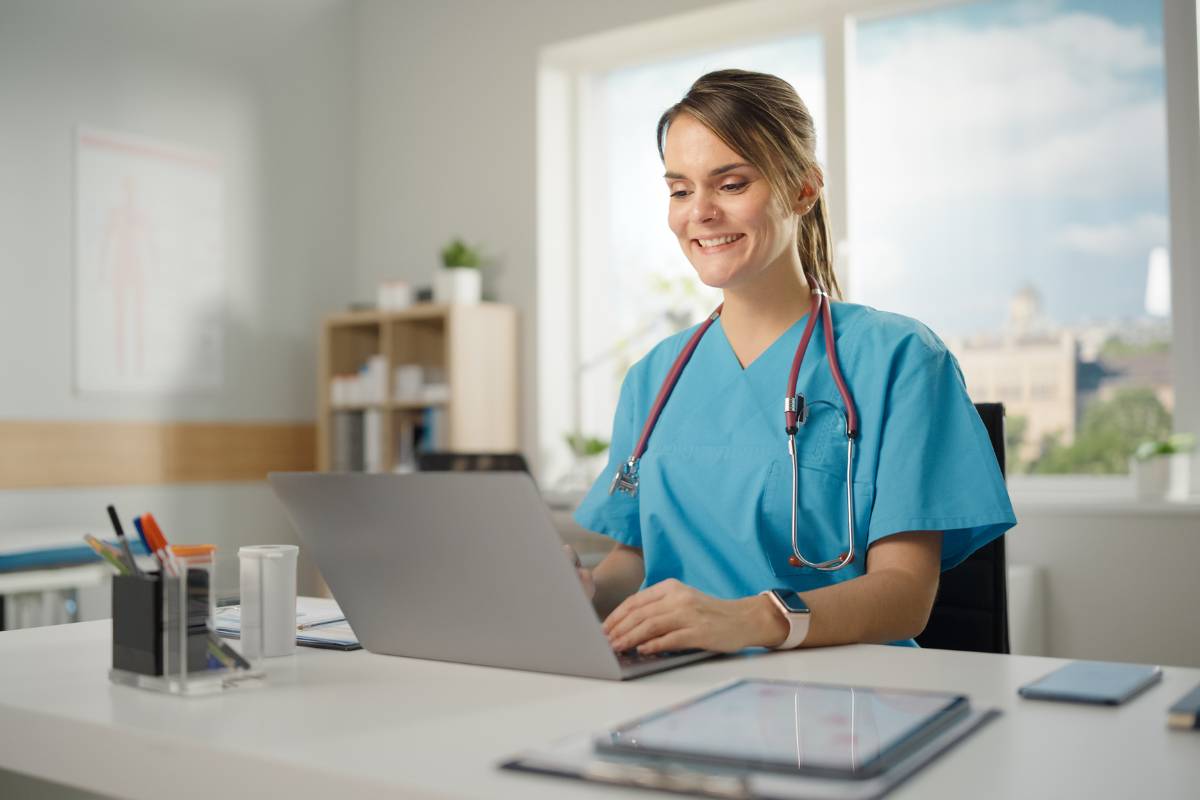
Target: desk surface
(361, 725)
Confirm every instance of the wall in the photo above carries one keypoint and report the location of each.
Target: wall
(266, 86)
(447, 140)
(1120, 580)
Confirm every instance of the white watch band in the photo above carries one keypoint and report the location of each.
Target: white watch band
(797, 623)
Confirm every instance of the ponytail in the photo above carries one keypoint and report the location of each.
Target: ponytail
(815, 246)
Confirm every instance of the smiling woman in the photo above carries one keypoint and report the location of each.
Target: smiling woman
(709, 552)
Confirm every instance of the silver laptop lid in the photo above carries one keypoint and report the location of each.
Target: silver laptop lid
(455, 566)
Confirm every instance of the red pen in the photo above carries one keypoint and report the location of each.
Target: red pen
(158, 543)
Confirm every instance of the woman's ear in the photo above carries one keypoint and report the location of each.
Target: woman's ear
(809, 193)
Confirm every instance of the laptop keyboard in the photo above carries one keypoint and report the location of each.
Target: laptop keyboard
(631, 658)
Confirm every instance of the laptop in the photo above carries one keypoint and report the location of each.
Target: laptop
(455, 566)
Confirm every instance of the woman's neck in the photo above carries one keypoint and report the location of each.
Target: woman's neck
(754, 316)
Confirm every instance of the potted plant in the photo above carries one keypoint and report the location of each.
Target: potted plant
(1161, 467)
(458, 281)
(588, 452)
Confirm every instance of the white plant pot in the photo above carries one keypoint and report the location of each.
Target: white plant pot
(1151, 477)
(1180, 486)
(457, 286)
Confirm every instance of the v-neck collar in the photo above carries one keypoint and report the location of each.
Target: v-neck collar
(732, 356)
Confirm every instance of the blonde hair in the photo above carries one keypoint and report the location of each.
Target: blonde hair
(761, 118)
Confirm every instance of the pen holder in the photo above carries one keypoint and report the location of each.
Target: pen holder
(163, 636)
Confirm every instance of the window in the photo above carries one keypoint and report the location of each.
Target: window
(1005, 174)
(1008, 188)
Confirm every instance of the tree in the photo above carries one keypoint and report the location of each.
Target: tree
(1014, 435)
(1109, 433)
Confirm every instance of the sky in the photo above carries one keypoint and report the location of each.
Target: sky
(993, 145)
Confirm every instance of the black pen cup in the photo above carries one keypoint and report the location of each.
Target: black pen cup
(163, 631)
(151, 635)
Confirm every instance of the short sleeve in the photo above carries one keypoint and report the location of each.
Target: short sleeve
(937, 469)
(615, 515)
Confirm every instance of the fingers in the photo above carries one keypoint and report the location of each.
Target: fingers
(652, 627)
(643, 598)
(678, 639)
(588, 582)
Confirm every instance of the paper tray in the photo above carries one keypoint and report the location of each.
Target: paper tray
(574, 757)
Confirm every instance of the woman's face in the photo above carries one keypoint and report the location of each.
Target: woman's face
(722, 210)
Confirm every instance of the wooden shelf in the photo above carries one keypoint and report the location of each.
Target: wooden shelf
(474, 346)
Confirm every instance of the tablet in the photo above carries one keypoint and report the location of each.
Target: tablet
(790, 727)
(1100, 682)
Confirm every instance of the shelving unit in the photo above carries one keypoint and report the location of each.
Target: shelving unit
(475, 346)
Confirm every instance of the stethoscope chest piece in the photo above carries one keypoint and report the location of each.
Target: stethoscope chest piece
(626, 479)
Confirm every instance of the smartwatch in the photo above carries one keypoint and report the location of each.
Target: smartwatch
(795, 611)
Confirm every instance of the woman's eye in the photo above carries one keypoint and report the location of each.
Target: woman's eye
(680, 193)
(735, 186)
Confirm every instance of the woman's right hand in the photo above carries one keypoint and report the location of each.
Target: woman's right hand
(585, 575)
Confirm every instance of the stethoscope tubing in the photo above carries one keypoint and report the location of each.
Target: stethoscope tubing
(795, 415)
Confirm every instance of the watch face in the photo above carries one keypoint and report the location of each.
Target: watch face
(791, 600)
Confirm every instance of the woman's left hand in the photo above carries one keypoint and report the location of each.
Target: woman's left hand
(673, 616)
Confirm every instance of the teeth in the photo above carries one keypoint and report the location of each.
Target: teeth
(720, 240)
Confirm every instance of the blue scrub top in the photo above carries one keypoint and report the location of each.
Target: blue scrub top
(713, 506)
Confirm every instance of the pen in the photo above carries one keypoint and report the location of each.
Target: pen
(158, 544)
(106, 552)
(229, 652)
(137, 523)
(116, 523)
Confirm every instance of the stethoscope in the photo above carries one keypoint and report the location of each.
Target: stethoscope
(795, 414)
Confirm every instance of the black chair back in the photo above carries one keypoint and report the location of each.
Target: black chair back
(470, 462)
(971, 608)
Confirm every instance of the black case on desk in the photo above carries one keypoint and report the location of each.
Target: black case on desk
(138, 640)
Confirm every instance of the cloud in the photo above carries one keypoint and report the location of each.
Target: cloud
(1066, 104)
(1127, 237)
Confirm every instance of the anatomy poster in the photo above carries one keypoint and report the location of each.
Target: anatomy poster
(149, 266)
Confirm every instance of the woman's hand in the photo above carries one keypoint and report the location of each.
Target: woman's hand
(673, 616)
(585, 575)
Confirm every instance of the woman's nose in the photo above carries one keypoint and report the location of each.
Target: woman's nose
(704, 209)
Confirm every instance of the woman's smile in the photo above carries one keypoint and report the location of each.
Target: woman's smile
(719, 244)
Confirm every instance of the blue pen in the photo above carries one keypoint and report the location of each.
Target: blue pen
(137, 523)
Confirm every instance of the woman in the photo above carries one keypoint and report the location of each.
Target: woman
(708, 529)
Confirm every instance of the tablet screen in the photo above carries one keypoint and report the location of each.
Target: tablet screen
(794, 727)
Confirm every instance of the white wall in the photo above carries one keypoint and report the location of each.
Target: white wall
(447, 139)
(1121, 580)
(267, 87)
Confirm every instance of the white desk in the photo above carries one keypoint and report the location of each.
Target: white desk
(349, 725)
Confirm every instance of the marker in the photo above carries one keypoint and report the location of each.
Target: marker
(137, 523)
(159, 543)
(116, 523)
(106, 552)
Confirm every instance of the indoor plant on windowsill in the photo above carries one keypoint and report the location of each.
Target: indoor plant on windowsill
(1161, 467)
(458, 282)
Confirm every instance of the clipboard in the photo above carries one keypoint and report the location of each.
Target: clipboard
(575, 757)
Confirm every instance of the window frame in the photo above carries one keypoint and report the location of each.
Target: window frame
(566, 79)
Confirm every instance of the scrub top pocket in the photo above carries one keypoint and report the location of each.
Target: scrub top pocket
(821, 529)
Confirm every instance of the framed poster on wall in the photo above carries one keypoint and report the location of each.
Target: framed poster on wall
(149, 266)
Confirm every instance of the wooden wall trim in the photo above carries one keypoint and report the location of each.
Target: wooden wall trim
(42, 454)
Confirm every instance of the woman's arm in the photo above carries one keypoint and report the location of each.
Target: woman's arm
(618, 576)
(890, 602)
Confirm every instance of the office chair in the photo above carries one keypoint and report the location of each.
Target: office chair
(469, 462)
(970, 611)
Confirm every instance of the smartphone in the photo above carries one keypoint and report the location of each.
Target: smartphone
(1100, 682)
